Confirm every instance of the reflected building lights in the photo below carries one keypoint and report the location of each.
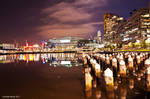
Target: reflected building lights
(115, 85)
(94, 83)
(30, 57)
(148, 83)
(98, 93)
(88, 84)
(62, 59)
(21, 57)
(105, 86)
(131, 83)
(110, 94)
(123, 92)
(36, 57)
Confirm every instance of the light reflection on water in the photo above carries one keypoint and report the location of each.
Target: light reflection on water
(135, 85)
(53, 59)
(41, 76)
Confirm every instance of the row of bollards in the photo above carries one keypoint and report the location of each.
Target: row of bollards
(107, 67)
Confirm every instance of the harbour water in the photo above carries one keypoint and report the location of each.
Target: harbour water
(62, 76)
(45, 76)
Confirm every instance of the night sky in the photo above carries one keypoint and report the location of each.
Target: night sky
(37, 20)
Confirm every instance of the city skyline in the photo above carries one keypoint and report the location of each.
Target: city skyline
(36, 21)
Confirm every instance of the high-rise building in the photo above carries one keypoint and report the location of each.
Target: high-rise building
(111, 22)
(137, 26)
(136, 29)
(99, 36)
(149, 8)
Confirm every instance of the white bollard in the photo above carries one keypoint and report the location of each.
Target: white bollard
(138, 59)
(114, 62)
(147, 62)
(141, 57)
(93, 63)
(130, 62)
(97, 70)
(122, 68)
(108, 75)
(148, 70)
(107, 60)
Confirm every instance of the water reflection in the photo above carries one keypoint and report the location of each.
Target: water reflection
(7, 58)
(53, 59)
(61, 59)
(100, 82)
(19, 57)
(34, 76)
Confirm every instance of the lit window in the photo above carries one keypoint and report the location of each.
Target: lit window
(146, 15)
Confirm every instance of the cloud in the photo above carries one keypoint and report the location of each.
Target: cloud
(61, 30)
(64, 12)
(91, 3)
(70, 19)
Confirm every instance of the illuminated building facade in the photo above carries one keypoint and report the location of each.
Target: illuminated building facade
(99, 36)
(6, 46)
(135, 30)
(64, 44)
(149, 8)
(111, 22)
(137, 27)
(32, 48)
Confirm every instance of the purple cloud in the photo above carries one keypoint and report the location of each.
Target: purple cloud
(70, 19)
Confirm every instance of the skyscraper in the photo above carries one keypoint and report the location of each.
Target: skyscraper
(137, 26)
(99, 36)
(149, 8)
(111, 21)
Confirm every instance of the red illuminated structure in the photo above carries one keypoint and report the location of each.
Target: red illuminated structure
(28, 48)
